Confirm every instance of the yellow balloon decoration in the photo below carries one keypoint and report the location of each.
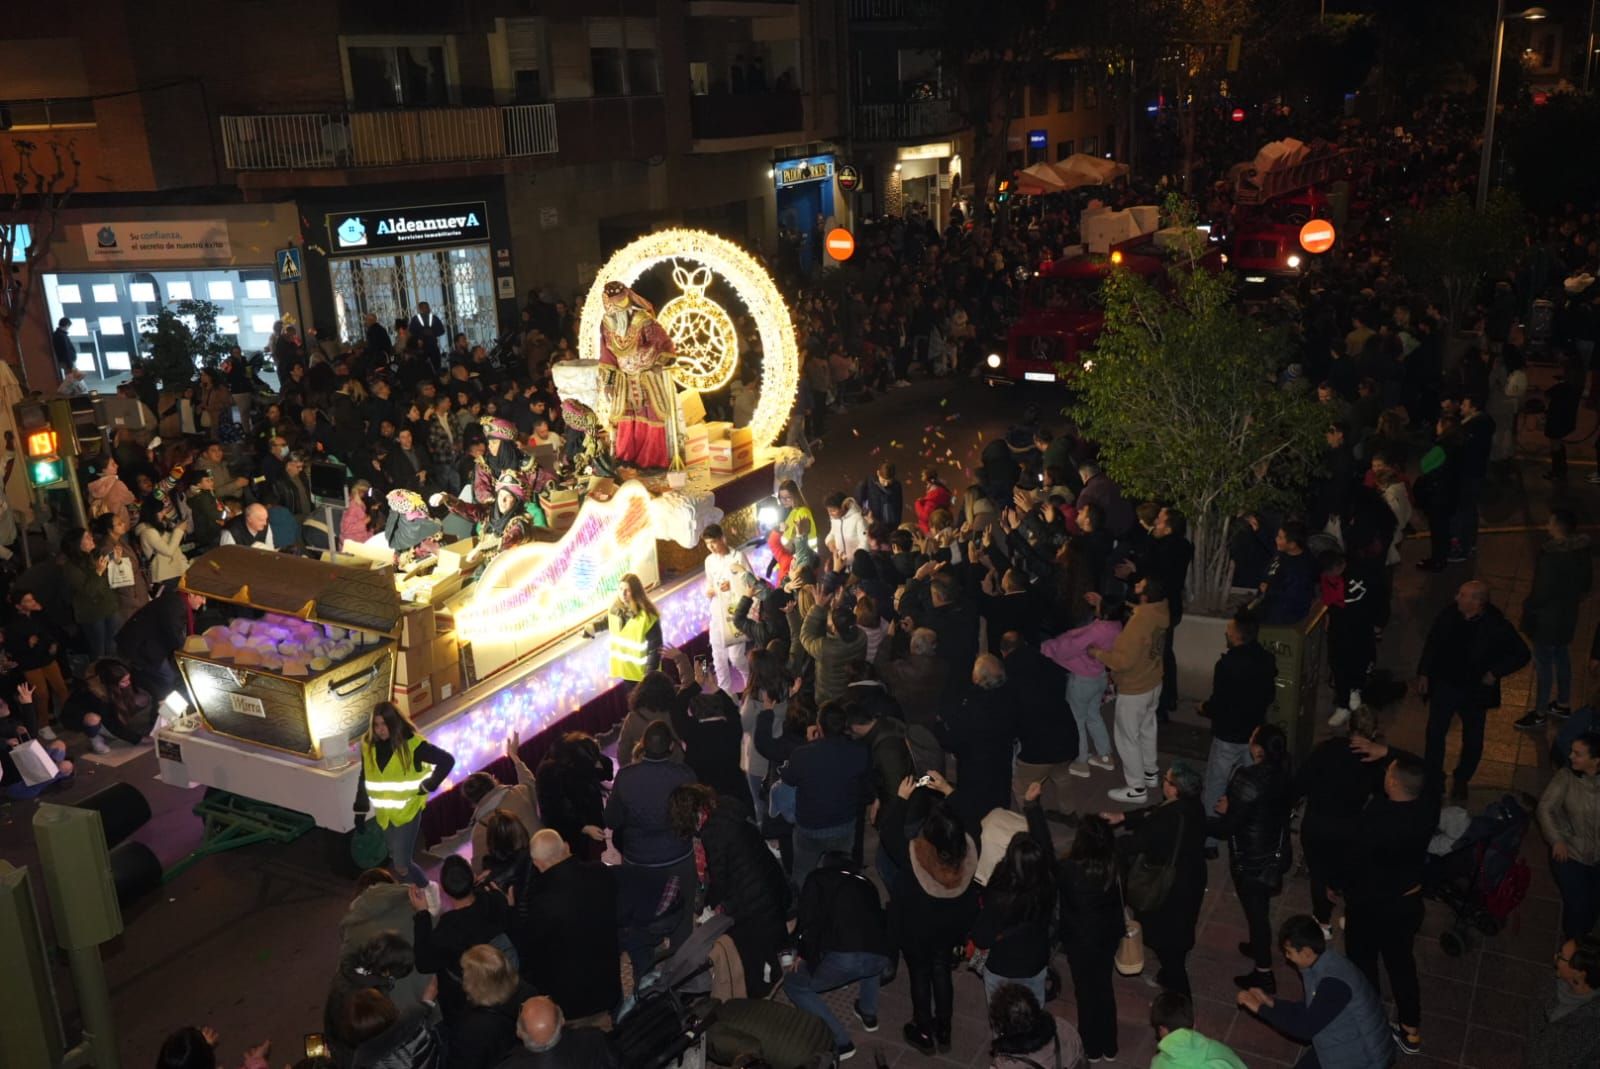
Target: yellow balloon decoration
(780, 363)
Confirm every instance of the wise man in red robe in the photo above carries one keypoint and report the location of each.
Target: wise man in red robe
(641, 402)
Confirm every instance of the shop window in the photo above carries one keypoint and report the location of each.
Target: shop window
(110, 324)
(105, 294)
(69, 295)
(84, 362)
(78, 328)
(1064, 149)
(259, 289)
(116, 360)
(220, 290)
(261, 322)
(20, 240)
(144, 292)
(180, 291)
(228, 325)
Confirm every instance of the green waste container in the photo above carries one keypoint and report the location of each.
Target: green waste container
(1300, 650)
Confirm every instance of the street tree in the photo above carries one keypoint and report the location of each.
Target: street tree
(1181, 395)
(185, 337)
(1449, 248)
(33, 196)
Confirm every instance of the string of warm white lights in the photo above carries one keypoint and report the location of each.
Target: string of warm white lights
(780, 365)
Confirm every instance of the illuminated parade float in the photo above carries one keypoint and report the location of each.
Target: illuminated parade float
(490, 636)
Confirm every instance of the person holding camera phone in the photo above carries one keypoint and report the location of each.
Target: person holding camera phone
(94, 604)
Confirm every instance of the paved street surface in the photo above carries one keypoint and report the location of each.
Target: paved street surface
(244, 941)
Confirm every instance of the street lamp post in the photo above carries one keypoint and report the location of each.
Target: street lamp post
(1533, 14)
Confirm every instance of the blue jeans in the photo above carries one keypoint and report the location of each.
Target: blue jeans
(1224, 759)
(1551, 661)
(1084, 694)
(805, 986)
(402, 842)
(811, 843)
(100, 637)
(993, 981)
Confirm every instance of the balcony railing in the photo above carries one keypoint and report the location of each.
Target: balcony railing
(892, 10)
(387, 138)
(905, 121)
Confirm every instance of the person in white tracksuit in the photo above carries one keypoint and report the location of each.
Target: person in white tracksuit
(723, 566)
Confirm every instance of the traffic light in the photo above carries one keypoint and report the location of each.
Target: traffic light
(1004, 192)
(45, 466)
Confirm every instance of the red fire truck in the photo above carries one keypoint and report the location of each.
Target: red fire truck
(1274, 196)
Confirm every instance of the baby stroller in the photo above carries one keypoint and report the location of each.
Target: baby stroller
(1481, 876)
(664, 1021)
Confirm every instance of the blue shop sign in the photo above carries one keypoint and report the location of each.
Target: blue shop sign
(798, 172)
(1038, 139)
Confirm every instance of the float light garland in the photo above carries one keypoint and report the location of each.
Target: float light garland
(780, 365)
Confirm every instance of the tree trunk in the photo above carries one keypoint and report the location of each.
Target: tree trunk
(1211, 574)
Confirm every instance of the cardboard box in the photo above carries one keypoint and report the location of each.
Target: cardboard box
(416, 626)
(415, 698)
(695, 445)
(560, 513)
(444, 651)
(412, 664)
(732, 454)
(717, 430)
(446, 682)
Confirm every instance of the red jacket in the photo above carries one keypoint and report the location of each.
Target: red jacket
(936, 498)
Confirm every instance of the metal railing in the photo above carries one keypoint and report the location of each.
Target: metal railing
(892, 10)
(314, 140)
(904, 121)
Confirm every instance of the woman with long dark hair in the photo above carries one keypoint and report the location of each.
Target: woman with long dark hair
(106, 699)
(932, 902)
(635, 627)
(1014, 925)
(1092, 921)
(399, 769)
(571, 797)
(1254, 817)
(94, 603)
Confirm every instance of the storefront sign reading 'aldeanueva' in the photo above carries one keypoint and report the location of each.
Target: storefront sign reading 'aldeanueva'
(427, 226)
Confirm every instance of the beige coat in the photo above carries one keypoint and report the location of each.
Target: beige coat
(1569, 812)
(1134, 659)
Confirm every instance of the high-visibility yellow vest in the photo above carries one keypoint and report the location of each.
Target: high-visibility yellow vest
(630, 645)
(392, 789)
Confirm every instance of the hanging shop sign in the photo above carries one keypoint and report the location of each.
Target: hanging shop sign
(798, 172)
(849, 178)
(422, 227)
(148, 241)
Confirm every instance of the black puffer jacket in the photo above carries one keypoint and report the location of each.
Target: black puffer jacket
(1256, 826)
(412, 1042)
(743, 877)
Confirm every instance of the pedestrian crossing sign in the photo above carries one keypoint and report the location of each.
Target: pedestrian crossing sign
(288, 266)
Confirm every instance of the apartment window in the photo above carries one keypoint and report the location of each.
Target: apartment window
(1091, 94)
(1066, 86)
(1064, 149)
(1015, 104)
(1038, 95)
(525, 59)
(398, 73)
(622, 57)
(1091, 146)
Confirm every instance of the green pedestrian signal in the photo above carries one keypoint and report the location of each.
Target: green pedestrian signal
(47, 472)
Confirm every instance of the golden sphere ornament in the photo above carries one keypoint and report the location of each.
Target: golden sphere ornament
(705, 343)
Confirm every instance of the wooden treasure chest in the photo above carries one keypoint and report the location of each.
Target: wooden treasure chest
(307, 673)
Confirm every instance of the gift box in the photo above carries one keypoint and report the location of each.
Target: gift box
(696, 445)
(732, 454)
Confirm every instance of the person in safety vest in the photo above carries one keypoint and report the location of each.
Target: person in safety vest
(399, 769)
(635, 628)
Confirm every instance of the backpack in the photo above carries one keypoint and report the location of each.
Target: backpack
(727, 970)
(926, 753)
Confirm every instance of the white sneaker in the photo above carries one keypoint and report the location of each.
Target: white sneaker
(1108, 763)
(1129, 795)
(1340, 717)
(1355, 699)
(1079, 769)
(47, 733)
(99, 745)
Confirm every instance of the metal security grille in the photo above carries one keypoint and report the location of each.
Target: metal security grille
(457, 283)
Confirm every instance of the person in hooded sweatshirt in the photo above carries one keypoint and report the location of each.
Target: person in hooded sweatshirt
(1178, 1045)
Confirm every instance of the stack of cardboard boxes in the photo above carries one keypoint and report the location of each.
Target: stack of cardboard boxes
(427, 666)
(731, 449)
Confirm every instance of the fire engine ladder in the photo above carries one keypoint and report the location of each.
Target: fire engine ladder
(1254, 188)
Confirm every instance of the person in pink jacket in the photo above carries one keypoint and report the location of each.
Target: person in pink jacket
(1086, 687)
